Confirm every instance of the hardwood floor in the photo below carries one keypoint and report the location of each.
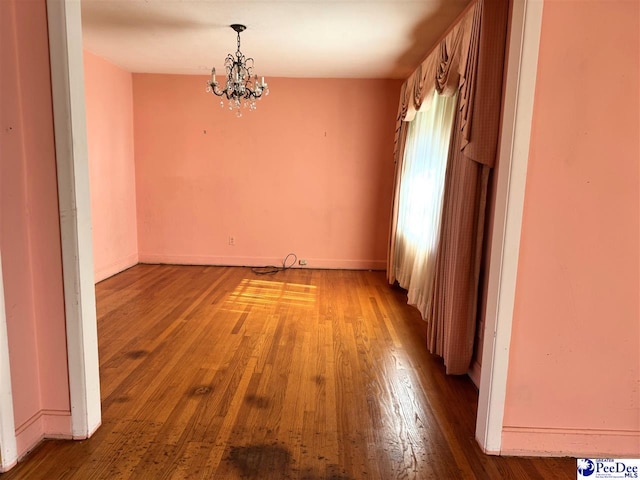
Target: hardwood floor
(217, 373)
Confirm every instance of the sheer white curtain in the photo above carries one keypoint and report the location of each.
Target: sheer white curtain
(420, 198)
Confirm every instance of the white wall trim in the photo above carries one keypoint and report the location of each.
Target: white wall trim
(67, 82)
(8, 446)
(522, 64)
(238, 261)
(572, 442)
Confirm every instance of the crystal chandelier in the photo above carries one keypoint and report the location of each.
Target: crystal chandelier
(242, 88)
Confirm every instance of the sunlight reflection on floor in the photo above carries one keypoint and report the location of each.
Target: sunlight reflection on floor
(256, 292)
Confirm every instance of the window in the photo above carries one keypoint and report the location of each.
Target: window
(421, 192)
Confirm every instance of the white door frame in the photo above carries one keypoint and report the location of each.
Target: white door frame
(67, 84)
(65, 38)
(8, 447)
(522, 65)
(65, 49)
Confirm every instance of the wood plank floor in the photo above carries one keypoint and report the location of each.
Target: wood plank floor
(217, 373)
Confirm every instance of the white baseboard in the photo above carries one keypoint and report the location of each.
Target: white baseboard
(259, 261)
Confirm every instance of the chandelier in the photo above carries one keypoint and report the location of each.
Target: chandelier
(242, 88)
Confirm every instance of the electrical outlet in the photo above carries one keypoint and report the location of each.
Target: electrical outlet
(302, 262)
(232, 240)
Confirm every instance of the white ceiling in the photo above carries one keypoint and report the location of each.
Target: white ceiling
(290, 38)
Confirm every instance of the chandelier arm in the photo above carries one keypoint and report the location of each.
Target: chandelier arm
(241, 83)
(214, 87)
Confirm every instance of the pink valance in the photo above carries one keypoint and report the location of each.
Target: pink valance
(452, 66)
(442, 70)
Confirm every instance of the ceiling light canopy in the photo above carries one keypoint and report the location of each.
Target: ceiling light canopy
(242, 88)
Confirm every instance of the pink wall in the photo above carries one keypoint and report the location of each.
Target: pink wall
(109, 107)
(30, 236)
(574, 368)
(309, 172)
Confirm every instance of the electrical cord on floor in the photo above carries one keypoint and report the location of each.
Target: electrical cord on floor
(272, 269)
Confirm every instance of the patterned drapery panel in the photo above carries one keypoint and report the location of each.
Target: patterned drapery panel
(470, 60)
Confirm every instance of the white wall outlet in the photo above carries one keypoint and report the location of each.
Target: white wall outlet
(232, 240)
(302, 262)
